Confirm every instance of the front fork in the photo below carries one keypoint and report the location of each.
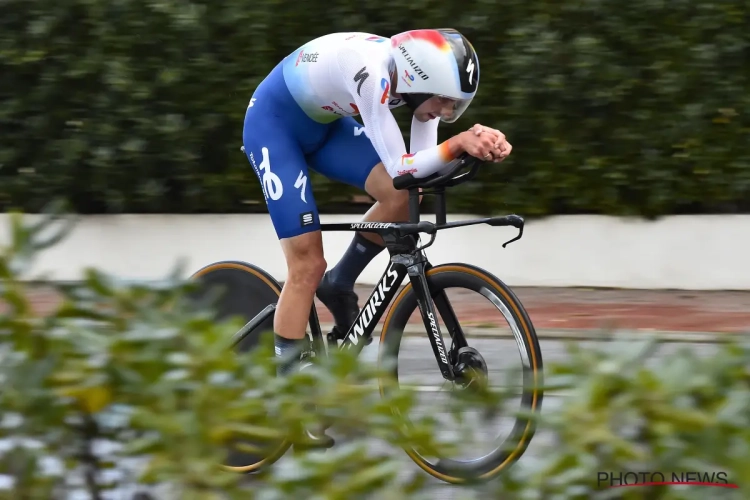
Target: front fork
(445, 359)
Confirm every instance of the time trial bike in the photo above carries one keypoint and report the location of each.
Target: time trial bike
(252, 294)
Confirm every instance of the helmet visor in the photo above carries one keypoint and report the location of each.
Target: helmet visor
(454, 110)
(447, 109)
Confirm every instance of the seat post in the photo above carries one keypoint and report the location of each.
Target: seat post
(440, 211)
(414, 205)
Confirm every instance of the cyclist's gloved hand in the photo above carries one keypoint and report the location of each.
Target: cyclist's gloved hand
(485, 143)
(501, 148)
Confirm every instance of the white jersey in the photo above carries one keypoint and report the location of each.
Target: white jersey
(348, 74)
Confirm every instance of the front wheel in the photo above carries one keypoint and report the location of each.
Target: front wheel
(497, 297)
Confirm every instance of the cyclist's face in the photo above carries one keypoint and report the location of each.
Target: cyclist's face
(434, 107)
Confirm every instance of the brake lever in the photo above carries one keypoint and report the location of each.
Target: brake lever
(520, 234)
(517, 222)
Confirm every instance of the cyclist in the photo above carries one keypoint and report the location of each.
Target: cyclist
(301, 116)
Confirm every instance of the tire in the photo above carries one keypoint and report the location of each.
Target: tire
(473, 278)
(247, 290)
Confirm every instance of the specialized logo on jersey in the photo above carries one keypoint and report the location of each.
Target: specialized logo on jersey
(301, 184)
(386, 86)
(360, 78)
(404, 172)
(306, 57)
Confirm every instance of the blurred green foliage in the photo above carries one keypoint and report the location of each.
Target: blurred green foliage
(628, 410)
(137, 106)
(125, 385)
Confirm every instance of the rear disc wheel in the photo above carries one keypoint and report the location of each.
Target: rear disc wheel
(240, 289)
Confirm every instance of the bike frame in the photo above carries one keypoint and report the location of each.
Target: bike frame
(406, 258)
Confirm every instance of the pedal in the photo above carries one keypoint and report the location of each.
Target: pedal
(315, 441)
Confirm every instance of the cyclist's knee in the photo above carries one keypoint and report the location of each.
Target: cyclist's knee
(305, 261)
(379, 185)
(398, 199)
(306, 271)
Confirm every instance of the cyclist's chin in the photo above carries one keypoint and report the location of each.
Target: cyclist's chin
(424, 117)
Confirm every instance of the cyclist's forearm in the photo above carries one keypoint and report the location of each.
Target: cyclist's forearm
(424, 135)
(425, 162)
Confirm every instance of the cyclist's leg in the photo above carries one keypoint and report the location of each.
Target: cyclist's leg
(348, 156)
(277, 135)
(280, 165)
(392, 205)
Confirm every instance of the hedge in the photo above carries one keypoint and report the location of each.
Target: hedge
(614, 108)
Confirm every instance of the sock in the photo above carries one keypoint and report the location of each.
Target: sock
(361, 251)
(287, 351)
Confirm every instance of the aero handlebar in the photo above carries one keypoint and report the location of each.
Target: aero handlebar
(449, 178)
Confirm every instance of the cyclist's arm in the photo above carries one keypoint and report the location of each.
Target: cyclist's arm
(424, 135)
(381, 125)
